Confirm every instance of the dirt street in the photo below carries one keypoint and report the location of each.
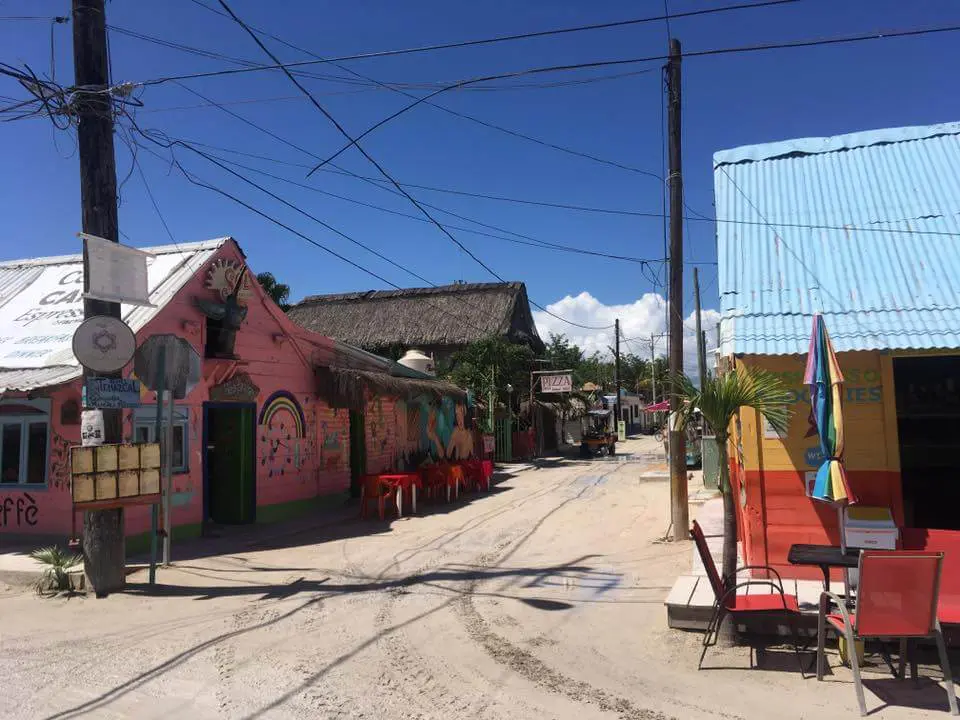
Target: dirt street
(542, 599)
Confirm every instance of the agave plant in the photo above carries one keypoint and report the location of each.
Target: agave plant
(718, 400)
(57, 565)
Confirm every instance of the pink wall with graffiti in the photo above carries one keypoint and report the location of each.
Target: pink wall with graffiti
(301, 447)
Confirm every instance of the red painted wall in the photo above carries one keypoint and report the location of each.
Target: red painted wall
(290, 466)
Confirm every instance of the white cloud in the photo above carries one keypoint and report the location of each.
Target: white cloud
(638, 321)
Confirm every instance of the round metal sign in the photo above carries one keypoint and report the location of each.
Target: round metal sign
(104, 344)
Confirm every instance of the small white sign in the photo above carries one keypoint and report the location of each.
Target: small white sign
(117, 273)
(810, 479)
(91, 428)
(556, 383)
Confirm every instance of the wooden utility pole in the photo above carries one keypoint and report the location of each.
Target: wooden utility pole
(616, 373)
(103, 544)
(701, 337)
(678, 449)
(653, 366)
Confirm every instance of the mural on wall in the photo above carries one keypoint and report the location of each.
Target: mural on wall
(434, 431)
(283, 434)
(59, 476)
(332, 457)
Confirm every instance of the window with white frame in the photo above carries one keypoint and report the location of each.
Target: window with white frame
(24, 442)
(145, 426)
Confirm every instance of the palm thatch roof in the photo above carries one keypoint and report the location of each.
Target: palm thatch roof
(449, 315)
(350, 388)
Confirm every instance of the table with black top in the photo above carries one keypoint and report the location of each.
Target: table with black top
(824, 557)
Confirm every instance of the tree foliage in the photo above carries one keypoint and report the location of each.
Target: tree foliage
(279, 292)
(718, 401)
(491, 361)
(635, 372)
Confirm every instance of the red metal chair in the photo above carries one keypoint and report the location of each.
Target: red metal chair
(372, 490)
(897, 597)
(740, 607)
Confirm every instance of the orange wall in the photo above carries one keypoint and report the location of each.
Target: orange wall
(777, 512)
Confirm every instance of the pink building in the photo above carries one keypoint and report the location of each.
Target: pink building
(286, 421)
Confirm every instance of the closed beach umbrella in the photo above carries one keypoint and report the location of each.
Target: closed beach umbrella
(825, 381)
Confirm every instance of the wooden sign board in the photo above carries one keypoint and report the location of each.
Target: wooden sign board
(115, 475)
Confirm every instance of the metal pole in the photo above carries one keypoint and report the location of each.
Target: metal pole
(167, 482)
(104, 558)
(653, 367)
(701, 339)
(677, 441)
(616, 373)
(154, 509)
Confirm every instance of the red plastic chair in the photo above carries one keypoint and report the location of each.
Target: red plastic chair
(739, 607)
(896, 598)
(372, 490)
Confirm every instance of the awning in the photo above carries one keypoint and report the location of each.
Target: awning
(661, 406)
(351, 389)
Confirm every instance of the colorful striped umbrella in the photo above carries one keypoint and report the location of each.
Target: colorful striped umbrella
(826, 418)
(825, 380)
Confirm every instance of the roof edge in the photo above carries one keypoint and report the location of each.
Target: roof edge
(819, 145)
(214, 244)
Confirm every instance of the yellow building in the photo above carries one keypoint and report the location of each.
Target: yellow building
(862, 229)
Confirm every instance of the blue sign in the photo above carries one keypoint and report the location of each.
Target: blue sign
(111, 393)
(813, 456)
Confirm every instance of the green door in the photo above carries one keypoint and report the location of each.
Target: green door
(358, 451)
(231, 480)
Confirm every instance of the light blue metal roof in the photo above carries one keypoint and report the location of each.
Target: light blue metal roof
(864, 228)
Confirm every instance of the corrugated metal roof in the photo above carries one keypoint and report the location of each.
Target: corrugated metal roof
(169, 270)
(864, 228)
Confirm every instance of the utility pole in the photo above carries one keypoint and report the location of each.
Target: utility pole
(701, 336)
(653, 367)
(616, 373)
(103, 543)
(678, 449)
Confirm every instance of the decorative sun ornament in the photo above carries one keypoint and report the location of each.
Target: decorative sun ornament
(222, 278)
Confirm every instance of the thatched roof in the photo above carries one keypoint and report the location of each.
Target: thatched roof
(348, 388)
(450, 315)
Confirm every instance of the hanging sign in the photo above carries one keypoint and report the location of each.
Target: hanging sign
(115, 393)
(556, 383)
(91, 428)
(104, 344)
(118, 273)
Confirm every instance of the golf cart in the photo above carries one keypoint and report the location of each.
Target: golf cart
(597, 438)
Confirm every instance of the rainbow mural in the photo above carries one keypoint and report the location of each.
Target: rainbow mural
(283, 400)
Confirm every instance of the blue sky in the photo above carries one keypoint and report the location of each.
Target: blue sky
(728, 101)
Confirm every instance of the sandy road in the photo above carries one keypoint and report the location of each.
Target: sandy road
(540, 600)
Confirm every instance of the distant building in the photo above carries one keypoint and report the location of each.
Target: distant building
(438, 320)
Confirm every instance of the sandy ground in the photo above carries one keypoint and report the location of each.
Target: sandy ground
(542, 599)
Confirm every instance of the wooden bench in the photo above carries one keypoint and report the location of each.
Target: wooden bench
(947, 542)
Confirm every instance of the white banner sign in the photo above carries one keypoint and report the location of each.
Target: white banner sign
(118, 273)
(41, 309)
(556, 383)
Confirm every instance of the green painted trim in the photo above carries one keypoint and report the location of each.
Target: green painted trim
(296, 508)
(140, 544)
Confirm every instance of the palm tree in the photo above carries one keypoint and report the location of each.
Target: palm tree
(279, 292)
(718, 401)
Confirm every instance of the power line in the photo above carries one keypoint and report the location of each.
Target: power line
(196, 181)
(365, 84)
(524, 239)
(379, 167)
(370, 82)
(474, 43)
(761, 47)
